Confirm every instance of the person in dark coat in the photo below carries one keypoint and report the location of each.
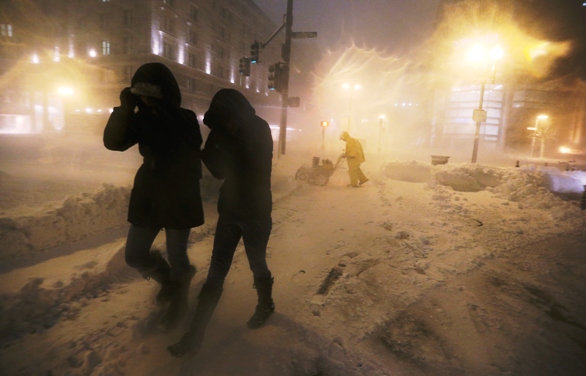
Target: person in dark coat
(166, 192)
(239, 149)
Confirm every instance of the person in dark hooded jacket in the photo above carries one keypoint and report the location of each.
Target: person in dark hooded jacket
(166, 192)
(239, 149)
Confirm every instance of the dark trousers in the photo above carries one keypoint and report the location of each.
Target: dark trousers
(255, 236)
(140, 240)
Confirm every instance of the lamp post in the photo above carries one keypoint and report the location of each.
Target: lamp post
(478, 54)
(352, 88)
(323, 124)
(381, 119)
(65, 93)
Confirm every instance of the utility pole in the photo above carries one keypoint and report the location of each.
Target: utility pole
(279, 72)
(286, 55)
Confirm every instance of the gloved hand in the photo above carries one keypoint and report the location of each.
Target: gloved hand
(213, 120)
(127, 99)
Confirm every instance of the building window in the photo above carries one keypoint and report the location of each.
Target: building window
(127, 18)
(105, 47)
(6, 30)
(220, 72)
(192, 37)
(126, 46)
(191, 84)
(193, 13)
(191, 60)
(168, 25)
(168, 51)
(127, 73)
(103, 21)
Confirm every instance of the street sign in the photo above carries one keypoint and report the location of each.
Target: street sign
(479, 115)
(304, 34)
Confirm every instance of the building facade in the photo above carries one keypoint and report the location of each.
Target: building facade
(64, 62)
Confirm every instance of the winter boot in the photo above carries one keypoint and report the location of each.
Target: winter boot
(177, 297)
(191, 341)
(265, 306)
(160, 272)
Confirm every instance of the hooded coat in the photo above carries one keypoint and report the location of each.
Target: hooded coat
(166, 190)
(353, 150)
(239, 149)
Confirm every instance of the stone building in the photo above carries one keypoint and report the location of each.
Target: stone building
(64, 62)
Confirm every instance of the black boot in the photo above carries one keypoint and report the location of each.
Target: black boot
(191, 341)
(265, 306)
(178, 305)
(160, 272)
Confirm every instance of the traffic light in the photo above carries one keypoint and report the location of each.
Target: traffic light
(255, 53)
(278, 77)
(245, 66)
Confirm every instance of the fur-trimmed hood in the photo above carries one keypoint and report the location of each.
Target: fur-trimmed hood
(157, 81)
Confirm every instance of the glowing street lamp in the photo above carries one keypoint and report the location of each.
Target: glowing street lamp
(65, 91)
(478, 54)
(324, 124)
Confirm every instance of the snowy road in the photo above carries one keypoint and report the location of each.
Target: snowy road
(394, 278)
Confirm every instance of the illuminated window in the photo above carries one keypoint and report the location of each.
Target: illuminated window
(6, 30)
(105, 47)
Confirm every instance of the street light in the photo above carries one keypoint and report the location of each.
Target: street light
(352, 88)
(323, 124)
(381, 119)
(478, 54)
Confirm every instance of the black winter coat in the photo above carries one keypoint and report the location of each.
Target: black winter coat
(166, 190)
(242, 158)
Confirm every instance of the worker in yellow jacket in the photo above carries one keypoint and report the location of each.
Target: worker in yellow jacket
(354, 156)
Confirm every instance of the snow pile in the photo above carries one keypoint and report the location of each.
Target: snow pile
(88, 214)
(415, 172)
(530, 186)
(79, 216)
(43, 301)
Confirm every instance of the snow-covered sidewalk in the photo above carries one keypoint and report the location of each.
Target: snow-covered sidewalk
(351, 265)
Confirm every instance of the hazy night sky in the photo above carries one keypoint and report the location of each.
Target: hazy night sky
(388, 25)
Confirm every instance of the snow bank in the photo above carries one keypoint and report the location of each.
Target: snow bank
(52, 294)
(87, 214)
(79, 216)
(530, 186)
